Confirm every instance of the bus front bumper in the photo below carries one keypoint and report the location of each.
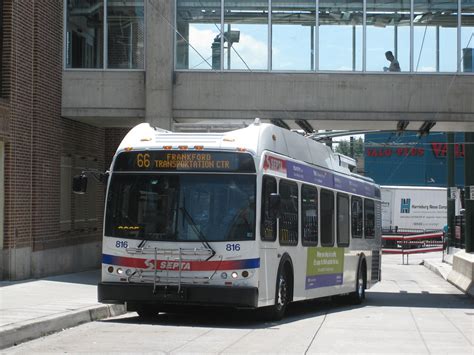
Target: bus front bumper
(205, 295)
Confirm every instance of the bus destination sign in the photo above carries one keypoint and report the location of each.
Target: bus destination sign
(185, 161)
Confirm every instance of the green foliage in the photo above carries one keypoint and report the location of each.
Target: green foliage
(344, 147)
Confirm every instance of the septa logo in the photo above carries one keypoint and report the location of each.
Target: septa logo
(405, 205)
(167, 265)
(274, 164)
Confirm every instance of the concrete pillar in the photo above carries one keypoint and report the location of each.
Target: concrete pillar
(159, 63)
(469, 181)
(451, 182)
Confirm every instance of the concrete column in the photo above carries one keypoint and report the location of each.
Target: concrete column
(159, 63)
(451, 182)
(469, 181)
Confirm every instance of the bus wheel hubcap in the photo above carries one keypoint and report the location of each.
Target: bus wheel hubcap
(360, 288)
(282, 292)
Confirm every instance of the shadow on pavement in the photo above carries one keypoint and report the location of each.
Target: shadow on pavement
(252, 319)
(236, 318)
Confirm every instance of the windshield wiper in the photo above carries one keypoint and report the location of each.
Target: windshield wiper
(198, 232)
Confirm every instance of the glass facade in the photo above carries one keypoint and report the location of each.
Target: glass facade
(340, 35)
(467, 36)
(293, 25)
(105, 34)
(388, 29)
(322, 35)
(126, 34)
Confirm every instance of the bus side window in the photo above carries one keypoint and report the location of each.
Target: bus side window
(268, 223)
(342, 220)
(309, 215)
(288, 226)
(327, 217)
(369, 218)
(357, 217)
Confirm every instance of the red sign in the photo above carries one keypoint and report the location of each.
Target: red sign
(439, 150)
(401, 152)
(274, 164)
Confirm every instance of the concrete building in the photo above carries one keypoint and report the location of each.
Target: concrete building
(76, 74)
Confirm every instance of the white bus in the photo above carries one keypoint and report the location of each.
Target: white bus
(256, 217)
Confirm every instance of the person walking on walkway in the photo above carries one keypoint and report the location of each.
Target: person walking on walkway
(394, 65)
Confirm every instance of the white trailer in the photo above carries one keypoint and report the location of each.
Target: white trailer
(413, 208)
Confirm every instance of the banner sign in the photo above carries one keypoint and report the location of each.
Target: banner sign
(324, 267)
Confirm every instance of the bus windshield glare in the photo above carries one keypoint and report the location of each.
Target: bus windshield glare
(186, 207)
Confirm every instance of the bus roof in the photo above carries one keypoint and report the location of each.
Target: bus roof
(257, 138)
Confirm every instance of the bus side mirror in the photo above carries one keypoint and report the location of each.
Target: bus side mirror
(275, 205)
(79, 184)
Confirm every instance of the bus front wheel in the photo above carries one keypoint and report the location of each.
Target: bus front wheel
(146, 311)
(282, 298)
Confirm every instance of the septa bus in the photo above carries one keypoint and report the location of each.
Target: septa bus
(256, 217)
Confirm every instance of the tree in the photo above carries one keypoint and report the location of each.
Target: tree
(344, 147)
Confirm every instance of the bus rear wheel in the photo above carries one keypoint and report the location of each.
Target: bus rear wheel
(282, 298)
(358, 295)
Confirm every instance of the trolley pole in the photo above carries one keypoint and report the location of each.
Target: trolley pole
(469, 185)
(451, 183)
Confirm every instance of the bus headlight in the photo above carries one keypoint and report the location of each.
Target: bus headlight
(224, 275)
(119, 271)
(128, 272)
(235, 275)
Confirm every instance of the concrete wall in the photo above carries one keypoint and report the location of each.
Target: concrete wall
(24, 263)
(348, 97)
(331, 100)
(104, 98)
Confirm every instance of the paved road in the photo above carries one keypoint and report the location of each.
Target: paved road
(411, 311)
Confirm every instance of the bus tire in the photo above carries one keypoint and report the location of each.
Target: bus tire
(282, 297)
(358, 295)
(147, 311)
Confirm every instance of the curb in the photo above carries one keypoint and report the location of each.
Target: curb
(433, 268)
(30, 330)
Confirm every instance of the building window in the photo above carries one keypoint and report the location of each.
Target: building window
(388, 30)
(467, 36)
(293, 26)
(85, 34)
(357, 217)
(435, 36)
(126, 34)
(198, 35)
(86, 42)
(1, 45)
(327, 216)
(308, 35)
(369, 219)
(309, 215)
(340, 35)
(268, 221)
(78, 211)
(246, 34)
(66, 193)
(288, 223)
(342, 220)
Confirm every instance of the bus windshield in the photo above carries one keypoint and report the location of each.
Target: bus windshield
(187, 207)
